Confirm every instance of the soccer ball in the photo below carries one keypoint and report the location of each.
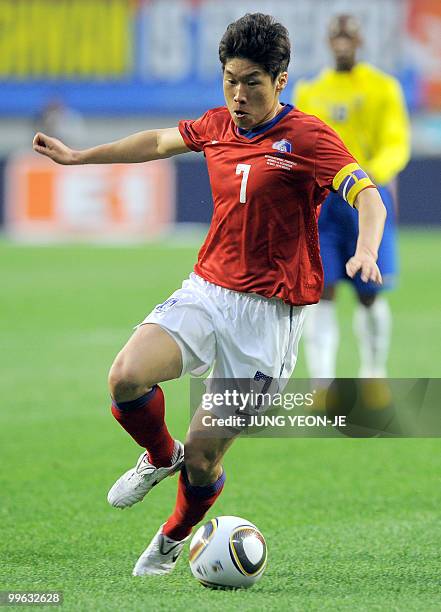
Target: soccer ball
(228, 552)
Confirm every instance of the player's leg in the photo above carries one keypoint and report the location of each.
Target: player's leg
(372, 317)
(321, 333)
(175, 338)
(149, 357)
(200, 483)
(372, 327)
(246, 351)
(202, 477)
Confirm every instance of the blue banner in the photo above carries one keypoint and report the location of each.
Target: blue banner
(158, 57)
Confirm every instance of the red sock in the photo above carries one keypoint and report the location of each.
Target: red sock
(143, 419)
(192, 503)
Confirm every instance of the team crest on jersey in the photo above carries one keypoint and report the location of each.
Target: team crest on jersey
(284, 146)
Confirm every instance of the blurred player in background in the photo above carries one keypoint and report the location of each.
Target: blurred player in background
(366, 108)
(61, 121)
(242, 308)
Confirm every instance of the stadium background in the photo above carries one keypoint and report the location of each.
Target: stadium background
(86, 252)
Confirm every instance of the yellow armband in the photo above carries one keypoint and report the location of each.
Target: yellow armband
(349, 181)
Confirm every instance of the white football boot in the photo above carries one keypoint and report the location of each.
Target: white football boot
(134, 485)
(160, 556)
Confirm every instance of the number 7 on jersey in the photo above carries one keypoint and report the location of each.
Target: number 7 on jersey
(245, 170)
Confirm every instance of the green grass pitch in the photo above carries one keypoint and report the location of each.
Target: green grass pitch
(350, 524)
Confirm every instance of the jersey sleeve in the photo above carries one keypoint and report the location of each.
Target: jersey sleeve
(336, 168)
(195, 132)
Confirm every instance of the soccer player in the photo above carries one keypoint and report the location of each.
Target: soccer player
(242, 308)
(366, 108)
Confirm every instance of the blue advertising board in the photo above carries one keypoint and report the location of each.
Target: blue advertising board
(158, 57)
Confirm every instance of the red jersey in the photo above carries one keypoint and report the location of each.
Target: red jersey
(267, 184)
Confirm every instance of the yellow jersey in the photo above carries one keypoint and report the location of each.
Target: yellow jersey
(366, 108)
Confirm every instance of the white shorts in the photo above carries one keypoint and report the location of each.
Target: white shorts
(240, 334)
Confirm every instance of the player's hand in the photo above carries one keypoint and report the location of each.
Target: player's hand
(366, 264)
(54, 149)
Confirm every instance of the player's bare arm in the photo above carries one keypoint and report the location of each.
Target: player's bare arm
(372, 215)
(140, 147)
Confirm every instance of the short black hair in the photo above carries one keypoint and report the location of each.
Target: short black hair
(260, 39)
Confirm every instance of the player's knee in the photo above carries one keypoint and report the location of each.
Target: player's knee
(200, 462)
(125, 383)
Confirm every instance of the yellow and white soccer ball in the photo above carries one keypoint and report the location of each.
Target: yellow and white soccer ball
(228, 552)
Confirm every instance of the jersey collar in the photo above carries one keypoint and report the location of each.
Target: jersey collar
(266, 126)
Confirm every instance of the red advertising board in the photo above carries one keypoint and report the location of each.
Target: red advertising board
(47, 201)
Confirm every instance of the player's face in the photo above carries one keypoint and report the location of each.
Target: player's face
(251, 95)
(344, 48)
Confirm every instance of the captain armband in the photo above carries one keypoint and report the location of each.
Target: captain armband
(349, 181)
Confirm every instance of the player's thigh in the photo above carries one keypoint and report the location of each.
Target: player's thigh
(333, 257)
(387, 263)
(387, 255)
(335, 226)
(187, 317)
(261, 342)
(150, 356)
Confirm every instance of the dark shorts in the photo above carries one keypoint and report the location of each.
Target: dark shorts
(338, 231)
